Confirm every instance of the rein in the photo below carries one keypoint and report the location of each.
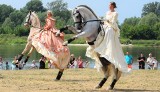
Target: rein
(37, 28)
(88, 21)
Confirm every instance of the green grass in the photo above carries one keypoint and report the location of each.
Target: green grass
(11, 39)
(141, 42)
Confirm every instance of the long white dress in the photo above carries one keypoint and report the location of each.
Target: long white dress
(108, 45)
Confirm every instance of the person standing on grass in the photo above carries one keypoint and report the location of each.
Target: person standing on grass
(150, 60)
(71, 63)
(1, 63)
(155, 64)
(141, 61)
(129, 59)
(33, 65)
(47, 63)
(80, 62)
(42, 63)
(7, 66)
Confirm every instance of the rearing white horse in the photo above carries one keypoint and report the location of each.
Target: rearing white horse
(33, 21)
(88, 26)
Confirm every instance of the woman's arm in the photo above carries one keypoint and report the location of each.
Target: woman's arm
(115, 18)
(48, 24)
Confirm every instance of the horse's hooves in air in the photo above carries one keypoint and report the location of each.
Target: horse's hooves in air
(57, 34)
(65, 43)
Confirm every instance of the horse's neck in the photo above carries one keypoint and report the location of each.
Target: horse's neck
(88, 15)
(35, 22)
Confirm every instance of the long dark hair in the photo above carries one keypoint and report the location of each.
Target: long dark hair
(114, 4)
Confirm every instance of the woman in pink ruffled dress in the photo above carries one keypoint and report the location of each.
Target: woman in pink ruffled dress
(51, 46)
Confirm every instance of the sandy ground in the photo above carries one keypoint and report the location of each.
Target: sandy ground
(76, 80)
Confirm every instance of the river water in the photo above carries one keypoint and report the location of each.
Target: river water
(7, 52)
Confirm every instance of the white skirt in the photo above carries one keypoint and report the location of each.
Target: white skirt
(110, 48)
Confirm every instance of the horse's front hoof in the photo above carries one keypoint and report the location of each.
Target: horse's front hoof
(57, 34)
(97, 87)
(56, 80)
(65, 43)
(109, 88)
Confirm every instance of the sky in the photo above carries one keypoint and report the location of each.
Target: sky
(125, 8)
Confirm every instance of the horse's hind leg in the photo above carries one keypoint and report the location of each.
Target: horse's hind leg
(116, 76)
(106, 75)
(105, 70)
(29, 54)
(28, 46)
(60, 73)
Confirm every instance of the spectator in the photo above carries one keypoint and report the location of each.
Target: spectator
(155, 64)
(1, 63)
(46, 63)
(75, 64)
(33, 65)
(150, 60)
(141, 61)
(14, 63)
(20, 65)
(129, 59)
(42, 63)
(86, 64)
(7, 66)
(72, 59)
(80, 62)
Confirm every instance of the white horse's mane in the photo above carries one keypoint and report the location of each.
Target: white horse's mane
(37, 19)
(85, 6)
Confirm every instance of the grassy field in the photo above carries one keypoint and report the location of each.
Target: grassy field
(11, 39)
(76, 80)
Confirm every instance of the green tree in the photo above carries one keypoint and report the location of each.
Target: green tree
(150, 8)
(21, 31)
(132, 21)
(17, 17)
(150, 19)
(8, 23)
(127, 27)
(59, 8)
(156, 29)
(42, 16)
(7, 30)
(5, 11)
(35, 5)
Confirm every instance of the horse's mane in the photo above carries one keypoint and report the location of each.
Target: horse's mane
(88, 9)
(35, 15)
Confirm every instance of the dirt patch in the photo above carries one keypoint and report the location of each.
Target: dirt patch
(76, 80)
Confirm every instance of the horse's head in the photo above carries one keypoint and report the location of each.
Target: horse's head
(81, 14)
(77, 17)
(32, 20)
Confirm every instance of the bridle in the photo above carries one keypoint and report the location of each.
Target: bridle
(82, 23)
(29, 22)
(29, 17)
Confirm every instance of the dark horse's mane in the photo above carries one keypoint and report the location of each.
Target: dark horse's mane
(88, 9)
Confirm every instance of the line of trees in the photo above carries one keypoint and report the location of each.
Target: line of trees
(145, 27)
(11, 20)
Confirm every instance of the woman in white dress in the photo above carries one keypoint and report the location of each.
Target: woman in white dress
(110, 47)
